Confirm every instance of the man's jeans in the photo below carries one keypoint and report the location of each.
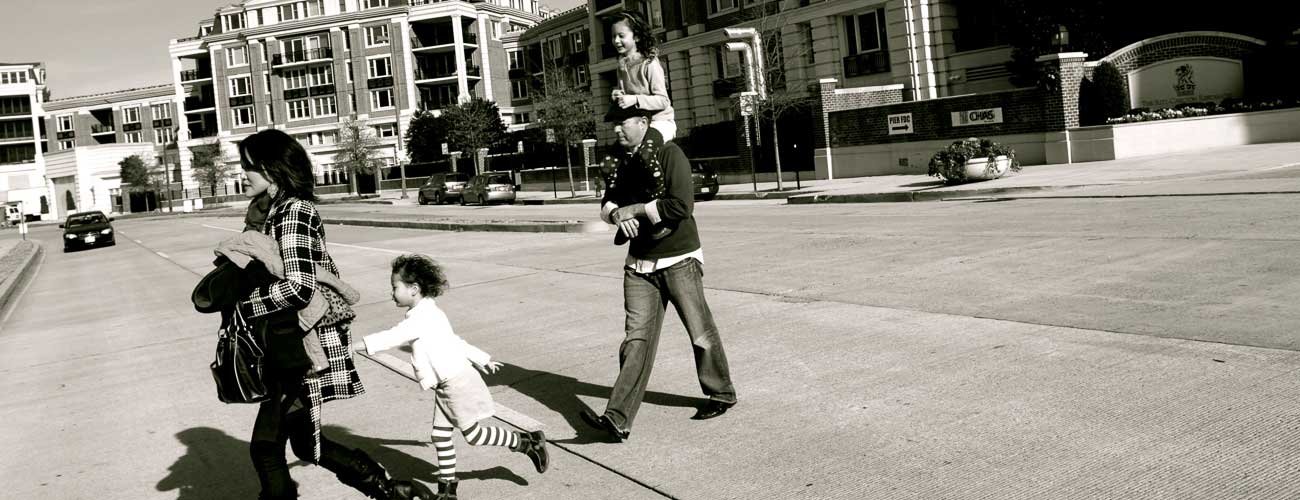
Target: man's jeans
(645, 298)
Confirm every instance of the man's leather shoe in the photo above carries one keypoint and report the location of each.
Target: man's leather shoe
(603, 423)
(712, 409)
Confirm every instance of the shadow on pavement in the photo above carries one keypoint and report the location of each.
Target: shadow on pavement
(215, 467)
(560, 394)
(401, 465)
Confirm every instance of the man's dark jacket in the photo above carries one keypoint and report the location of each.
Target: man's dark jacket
(676, 207)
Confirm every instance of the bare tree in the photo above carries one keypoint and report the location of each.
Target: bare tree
(207, 166)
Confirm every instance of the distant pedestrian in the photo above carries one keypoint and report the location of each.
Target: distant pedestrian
(658, 271)
(442, 361)
(297, 392)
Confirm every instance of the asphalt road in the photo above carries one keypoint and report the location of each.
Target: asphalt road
(1019, 349)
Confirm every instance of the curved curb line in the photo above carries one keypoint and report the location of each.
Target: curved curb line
(9, 288)
(516, 227)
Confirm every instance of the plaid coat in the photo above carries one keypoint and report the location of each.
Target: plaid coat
(300, 233)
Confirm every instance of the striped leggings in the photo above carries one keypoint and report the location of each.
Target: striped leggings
(477, 435)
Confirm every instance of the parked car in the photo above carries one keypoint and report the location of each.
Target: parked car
(489, 187)
(442, 188)
(87, 229)
(705, 180)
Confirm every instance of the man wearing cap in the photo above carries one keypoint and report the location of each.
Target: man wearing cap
(651, 200)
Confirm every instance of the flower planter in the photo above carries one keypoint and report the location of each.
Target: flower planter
(978, 169)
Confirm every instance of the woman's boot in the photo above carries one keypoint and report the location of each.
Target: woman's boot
(356, 469)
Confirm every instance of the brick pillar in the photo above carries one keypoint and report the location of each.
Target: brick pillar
(1061, 100)
(823, 164)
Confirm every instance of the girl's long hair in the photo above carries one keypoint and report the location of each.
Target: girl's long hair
(282, 159)
(645, 40)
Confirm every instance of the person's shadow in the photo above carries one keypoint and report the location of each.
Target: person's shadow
(559, 393)
(215, 467)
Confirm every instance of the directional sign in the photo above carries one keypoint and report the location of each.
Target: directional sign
(900, 124)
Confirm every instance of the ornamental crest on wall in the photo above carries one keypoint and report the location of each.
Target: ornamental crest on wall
(1185, 86)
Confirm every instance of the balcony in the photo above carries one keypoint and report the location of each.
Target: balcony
(193, 75)
(193, 103)
(474, 71)
(469, 38)
(23, 110)
(199, 133)
(302, 56)
(866, 64)
(98, 128)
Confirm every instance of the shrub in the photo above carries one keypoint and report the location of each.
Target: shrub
(950, 162)
(1103, 97)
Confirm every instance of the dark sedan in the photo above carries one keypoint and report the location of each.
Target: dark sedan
(87, 229)
(705, 181)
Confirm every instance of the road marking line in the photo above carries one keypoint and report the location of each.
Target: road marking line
(221, 228)
(163, 255)
(138, 242)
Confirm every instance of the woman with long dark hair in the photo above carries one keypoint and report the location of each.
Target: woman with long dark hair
(298, 388)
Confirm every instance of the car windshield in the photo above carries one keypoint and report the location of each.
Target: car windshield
(455, 178)
(499, 179)
(81, 220)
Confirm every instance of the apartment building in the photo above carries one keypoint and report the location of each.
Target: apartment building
(557, 47)
(306, 66)
(90, 135)
(22, 159)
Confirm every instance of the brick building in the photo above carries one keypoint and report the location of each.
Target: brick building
(305, 66)
(88, 135)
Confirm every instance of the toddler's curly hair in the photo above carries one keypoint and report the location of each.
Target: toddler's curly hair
(423, 271)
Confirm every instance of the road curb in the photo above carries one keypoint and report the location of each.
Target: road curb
(911, 196)
(11, 284)
(508, 227)
(560, 201)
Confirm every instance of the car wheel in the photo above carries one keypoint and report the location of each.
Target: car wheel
(421, 199)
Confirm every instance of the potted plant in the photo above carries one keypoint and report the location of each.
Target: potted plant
(973, 159)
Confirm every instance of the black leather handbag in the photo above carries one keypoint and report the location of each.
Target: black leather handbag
(238, 368)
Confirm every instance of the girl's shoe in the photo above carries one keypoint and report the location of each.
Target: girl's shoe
(446, 489)
(533, 444)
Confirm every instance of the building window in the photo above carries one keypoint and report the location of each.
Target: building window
(376, 35)
(132, 137)
(352, 103)
(232, 22)
(266, 83)
(717, 6)
(380, 67)
(347, 39)
(729, 63)
(516, 58)
(65, 123)
(386, 130)
(164, 136)
(580, 76)
(522, 118)
(13, 77)
(131, 114)
(270, 113)
(349, 66)
(373, 4)
(265, 53)
(519, 89)
(322, 75)
(295, 79)
(575, 43)
(299, 109)
(236, 56)
(65, 145)
(242, 116)
(656, 13)
(554, 48)
(239, 86)
(289, 12)
(979, 25)
(381, 99)
(862, 33)
(324, 106)
(161, 111)
(15, 106)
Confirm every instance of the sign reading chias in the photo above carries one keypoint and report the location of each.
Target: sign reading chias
(900, 124)
(976, 117)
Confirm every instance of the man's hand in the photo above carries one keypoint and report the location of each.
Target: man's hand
(613, 96)
(490, 368)
(629, 227)
(625, 101)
